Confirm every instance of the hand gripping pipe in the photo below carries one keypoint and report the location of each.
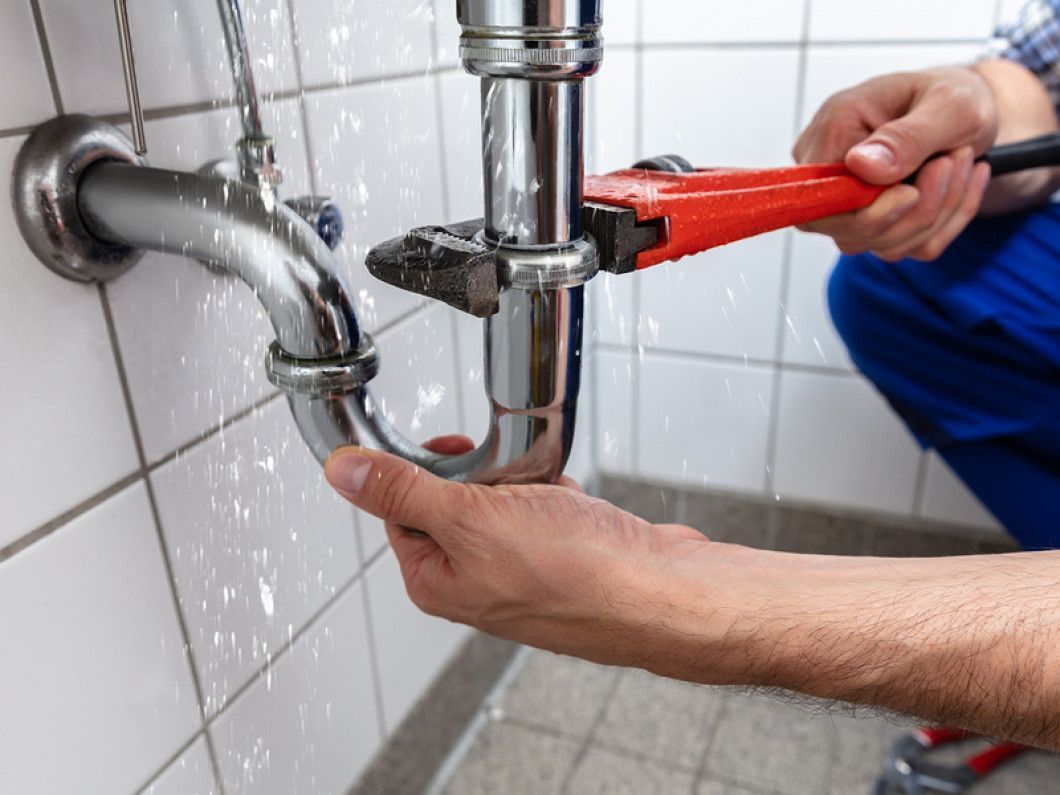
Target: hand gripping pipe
(87, 206)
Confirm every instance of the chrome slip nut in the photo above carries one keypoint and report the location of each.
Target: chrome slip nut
(333, 375)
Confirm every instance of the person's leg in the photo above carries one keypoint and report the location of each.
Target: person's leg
(980, 393)
(1016, 478)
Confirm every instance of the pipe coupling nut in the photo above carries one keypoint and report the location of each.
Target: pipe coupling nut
(329, 376)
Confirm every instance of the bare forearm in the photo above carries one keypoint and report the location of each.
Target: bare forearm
(972, 642)
(1024, 111)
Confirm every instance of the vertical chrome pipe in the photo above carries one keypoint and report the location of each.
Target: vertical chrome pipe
(242, 72)
(532, 159)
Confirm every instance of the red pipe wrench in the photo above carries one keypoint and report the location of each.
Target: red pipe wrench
(663, 209)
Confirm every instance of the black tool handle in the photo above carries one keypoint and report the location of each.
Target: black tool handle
(1032, 153)
(1019, 156)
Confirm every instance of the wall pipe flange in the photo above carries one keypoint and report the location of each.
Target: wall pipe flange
(47, 171)
(334, 375)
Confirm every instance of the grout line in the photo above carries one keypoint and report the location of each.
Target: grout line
(773, 432)
(638, 146)
(165, 765)
(167, 561)
(46, 52)
(729, 359)
(43, 531)
(590, 736)
(273, 659)
(373, 651)
(480, 721)
(307, 143)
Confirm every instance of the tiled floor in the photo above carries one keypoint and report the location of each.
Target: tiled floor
(566, 726)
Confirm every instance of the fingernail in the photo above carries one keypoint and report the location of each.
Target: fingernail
(348, 471)
(877, 152)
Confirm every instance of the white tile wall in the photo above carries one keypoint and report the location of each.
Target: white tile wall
(97, 692)
(411, 645)
(308, 723)
(258, 541)
(189, 774)
(718, 82)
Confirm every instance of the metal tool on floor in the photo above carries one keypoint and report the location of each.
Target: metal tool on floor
(908, 771)
(660, 210)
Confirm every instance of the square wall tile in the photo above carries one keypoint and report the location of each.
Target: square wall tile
(615, 319)
(411, 647)
(61, 389)
(309, 723)
(375, 150)
(416, 385)
(809, 336)
(25, 96)
(839, 442)
(694, 21)
(258, 541)
(947, 499)
(194, 340)
(882, 20)
(833, 68)
(462, 136)
(704, 423)
(621, 21)
(180, 52)
(97, 688)
(189, 774)
(342, 41)
(446, 34)
(737, 110)
(611, 114)
(723, 301)
(613, 423)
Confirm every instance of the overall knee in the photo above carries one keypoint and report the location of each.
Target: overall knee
(856, 300)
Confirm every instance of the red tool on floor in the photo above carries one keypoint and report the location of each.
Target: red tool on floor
(663, 209)
(907, 770)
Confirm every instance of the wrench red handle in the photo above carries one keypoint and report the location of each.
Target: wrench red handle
(702, 209)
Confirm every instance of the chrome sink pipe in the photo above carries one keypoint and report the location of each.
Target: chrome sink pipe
(88, 206)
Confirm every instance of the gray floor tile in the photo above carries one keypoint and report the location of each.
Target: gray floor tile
(901, 541)
(710, 786)
(559, 692)
(1034, 772)
(513, 760)
(602, 771)
(666, 720)
(768, 744)
(860, 747)
(800, 530)
(656, 504)
(730, 518)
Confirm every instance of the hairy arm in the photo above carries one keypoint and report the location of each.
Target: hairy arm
(1024, 110)
(972, 641)
(968, 641)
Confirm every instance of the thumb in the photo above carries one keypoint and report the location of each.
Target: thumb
(898, 148)
(395, 490)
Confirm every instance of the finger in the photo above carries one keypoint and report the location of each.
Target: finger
(450, 445)
(396, 490)
(969, 208)
(870, 222)
(896, 149)
(955, 195)
(933, 187)
(910, 237)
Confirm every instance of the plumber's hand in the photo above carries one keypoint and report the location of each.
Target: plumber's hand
(886, 128)
(544, 565)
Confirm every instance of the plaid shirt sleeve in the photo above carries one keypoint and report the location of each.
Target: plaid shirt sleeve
(1033, 40)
